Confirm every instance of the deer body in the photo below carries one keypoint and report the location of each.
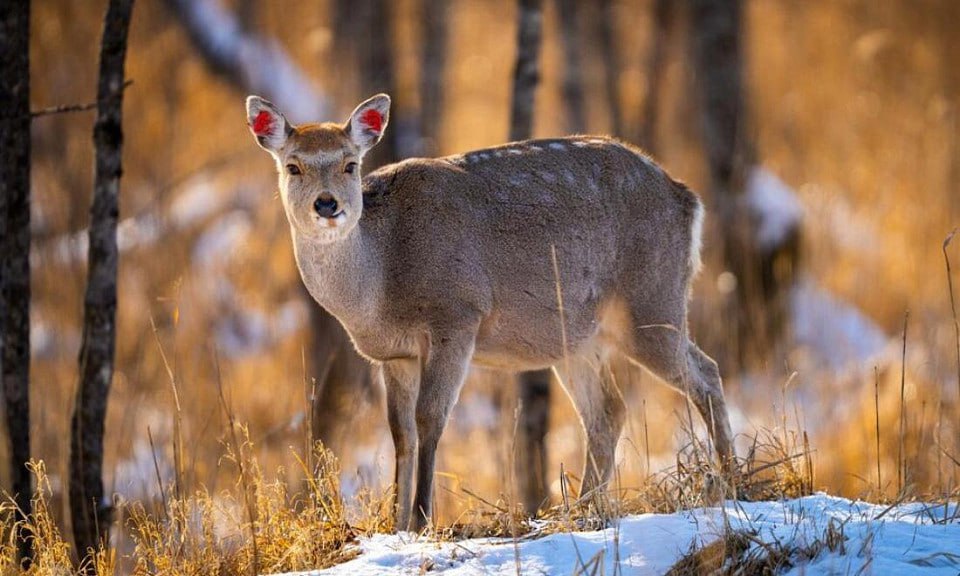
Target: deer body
(543, 253)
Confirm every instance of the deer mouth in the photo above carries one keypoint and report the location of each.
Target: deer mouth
(332, 221)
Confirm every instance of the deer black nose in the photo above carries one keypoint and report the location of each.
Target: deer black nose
(325, 205)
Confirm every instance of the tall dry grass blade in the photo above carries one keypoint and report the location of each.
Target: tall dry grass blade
(177, 417)
(901, 463)
(876, 407)
(563, 322)
(156, 469)
(953, 304)
(956, 326)
(241, 465)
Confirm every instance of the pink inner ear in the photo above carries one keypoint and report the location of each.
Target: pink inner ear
(263, 123)
(372, 120)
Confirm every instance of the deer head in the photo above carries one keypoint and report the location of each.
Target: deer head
(319, 164)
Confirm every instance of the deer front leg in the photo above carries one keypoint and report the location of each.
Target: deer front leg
(400, 381)
(444, 370)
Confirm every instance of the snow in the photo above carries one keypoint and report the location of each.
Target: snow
(262, 62)
(836, 334)
(905, 540)
(775, 207)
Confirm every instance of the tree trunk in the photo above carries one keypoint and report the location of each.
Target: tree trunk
(255, 64)
(375, 51)
(89, 509)
(531, 457)
(532, 430)
(611, 65)
(763, 274)
(433, 62)
(660, 32)
(526, 73)
(248, 61)
(573, 100)
(343, 381)
(15, 248)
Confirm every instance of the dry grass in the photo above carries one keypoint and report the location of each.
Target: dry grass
(284, 522)
(874, 164)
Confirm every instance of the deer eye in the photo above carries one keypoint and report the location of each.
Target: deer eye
(350, 167)
(293, 170)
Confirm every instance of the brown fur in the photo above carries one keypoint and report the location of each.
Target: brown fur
(437, 263)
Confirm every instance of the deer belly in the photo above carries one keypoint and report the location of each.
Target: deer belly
(529, 340)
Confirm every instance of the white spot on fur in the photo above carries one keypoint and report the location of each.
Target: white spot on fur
(580, 144)
(515, 151)
(547, 176)
(557, 146)
(569, 177)
(535, 148)
(696, 240)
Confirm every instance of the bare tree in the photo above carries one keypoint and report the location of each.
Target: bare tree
(375, 63)
(526, 72)
(15, 247)
(247, 60)
(762, 274)
(257, 64)
(89, 510)
(663, 16)
(531, 458)
(433, 64)
(575, 110)
(611, 64)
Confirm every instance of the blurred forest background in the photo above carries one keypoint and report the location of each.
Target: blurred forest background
(851, 113)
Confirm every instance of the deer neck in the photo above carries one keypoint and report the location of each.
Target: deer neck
(344, 276)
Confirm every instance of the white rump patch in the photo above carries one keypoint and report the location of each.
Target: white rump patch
(696, 240)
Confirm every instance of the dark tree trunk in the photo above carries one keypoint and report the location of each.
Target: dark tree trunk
(526, 73)
(763, 274)
(15, 247)
(611, 65)
(246, 63)
(433, 59)
(343, 380)
(573, 100)
(89, 510)
(534, 386)
(532, 439)
(660, 32)
(375, 51)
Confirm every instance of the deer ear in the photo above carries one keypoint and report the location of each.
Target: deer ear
(368, 122)
(267, 124)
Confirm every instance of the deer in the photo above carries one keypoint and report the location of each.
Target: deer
(550, 253)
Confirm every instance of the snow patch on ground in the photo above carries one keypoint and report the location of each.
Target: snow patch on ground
(908, 539)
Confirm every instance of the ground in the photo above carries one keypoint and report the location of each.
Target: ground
(819, 534)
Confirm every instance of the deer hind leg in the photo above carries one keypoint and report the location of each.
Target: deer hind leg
(706, 392)
(665, 350)
(590, 385)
